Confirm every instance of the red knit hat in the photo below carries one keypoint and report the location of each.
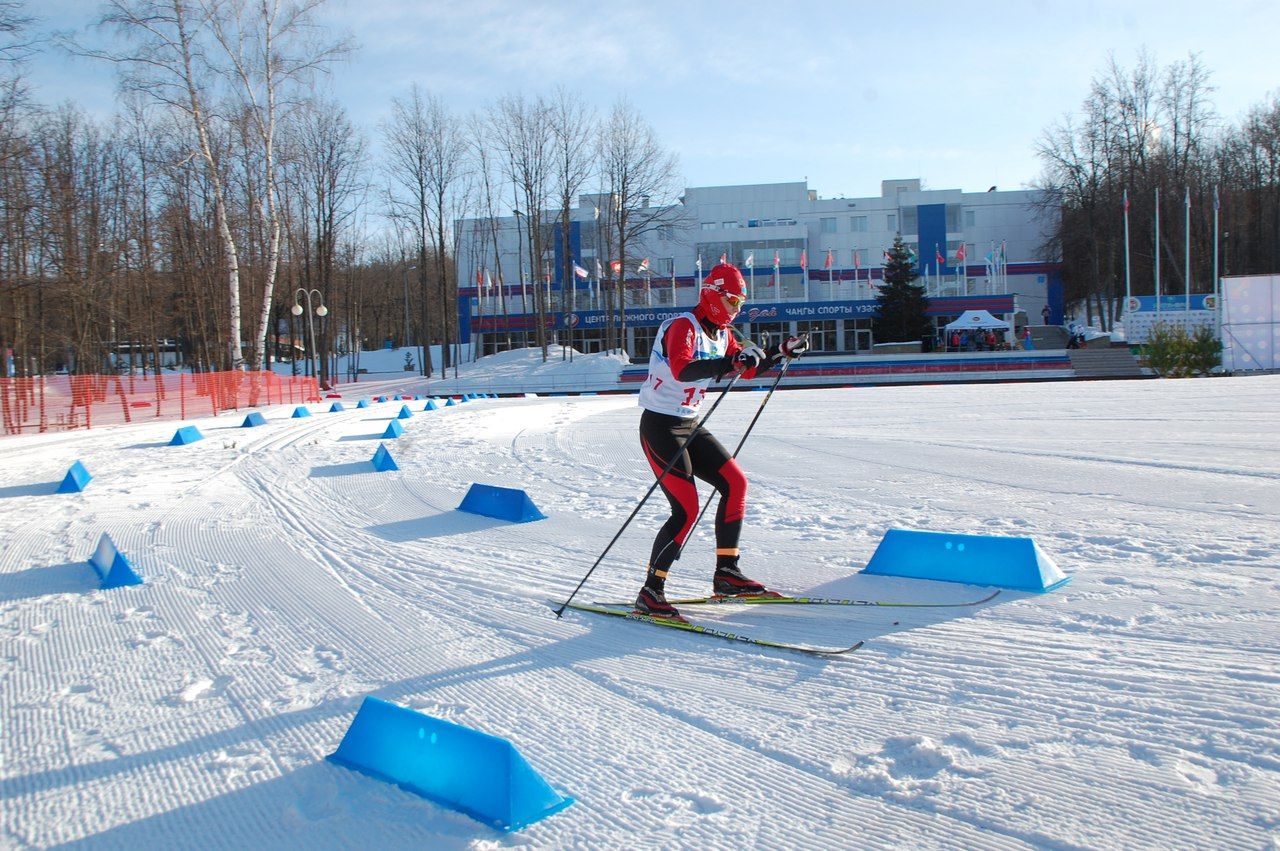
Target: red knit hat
(723, 280)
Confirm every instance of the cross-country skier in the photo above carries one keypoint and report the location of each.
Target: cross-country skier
(689, 351)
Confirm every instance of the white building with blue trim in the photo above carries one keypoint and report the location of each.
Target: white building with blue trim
(828, 252)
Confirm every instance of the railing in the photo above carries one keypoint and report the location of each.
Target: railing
(66, 402)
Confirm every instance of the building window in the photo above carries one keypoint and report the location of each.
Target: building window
(910, 220)
(822, 335)
(664, 233)
(953, 218)
(891, 223)
(858, 224)
(828, 225)
(727, 225)
(970, 218)
(643, 341)
(775, 332)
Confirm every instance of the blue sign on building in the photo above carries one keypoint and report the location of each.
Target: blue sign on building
(806, 311)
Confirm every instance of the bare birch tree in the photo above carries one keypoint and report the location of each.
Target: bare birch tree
(636, 171)
(521, 129)
(190, 55)
(572, 127)
(409, 193)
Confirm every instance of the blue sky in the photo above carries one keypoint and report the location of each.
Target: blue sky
(843, 94)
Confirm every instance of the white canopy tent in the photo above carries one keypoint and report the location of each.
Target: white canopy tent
(972, 319)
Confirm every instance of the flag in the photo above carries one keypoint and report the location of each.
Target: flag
(960, 253)
(599, 271)
(488, 280)
(644, 265)
(887, 258)
(826, 264)
(479, 278)
(776, 262)
(751, 261)
(580, 272)
(1215, 199)
(724, 258)
(699, 265)
(937, 254)
(1126, 201)
(804, 258)
(616, 266)
(855, 258)
(1002, 257)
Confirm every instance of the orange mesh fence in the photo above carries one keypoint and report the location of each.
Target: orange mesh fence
(65, 402)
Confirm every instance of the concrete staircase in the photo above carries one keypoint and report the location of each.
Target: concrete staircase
(1106, 362)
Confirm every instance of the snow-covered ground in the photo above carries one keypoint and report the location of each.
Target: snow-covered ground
(1137, 707)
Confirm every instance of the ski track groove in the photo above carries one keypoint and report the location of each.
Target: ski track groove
(878, 460)
(279, 496)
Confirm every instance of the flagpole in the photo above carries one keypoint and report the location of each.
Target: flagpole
(1128, 284)
(673, 282)
(1186, 247)
(1004, 269)
(573, 306)
(1157, 254)
(1217, 299)
(804, 268)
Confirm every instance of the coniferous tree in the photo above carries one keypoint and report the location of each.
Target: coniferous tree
(901, 303)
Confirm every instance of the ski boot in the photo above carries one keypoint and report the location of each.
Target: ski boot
(729, 582)
(654, 604)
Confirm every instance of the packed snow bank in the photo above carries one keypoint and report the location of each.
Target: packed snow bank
(515, 371)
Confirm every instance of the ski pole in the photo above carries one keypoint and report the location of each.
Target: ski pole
(736, 450)
(670, 465)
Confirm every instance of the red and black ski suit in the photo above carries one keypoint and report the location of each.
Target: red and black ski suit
(662, 435)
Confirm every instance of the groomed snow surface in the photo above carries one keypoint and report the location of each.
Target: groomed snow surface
(1137, 707)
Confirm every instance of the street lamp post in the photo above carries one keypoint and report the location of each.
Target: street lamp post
(320, 311)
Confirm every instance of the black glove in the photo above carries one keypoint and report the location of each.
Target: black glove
(794, 347)
(749, 358)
